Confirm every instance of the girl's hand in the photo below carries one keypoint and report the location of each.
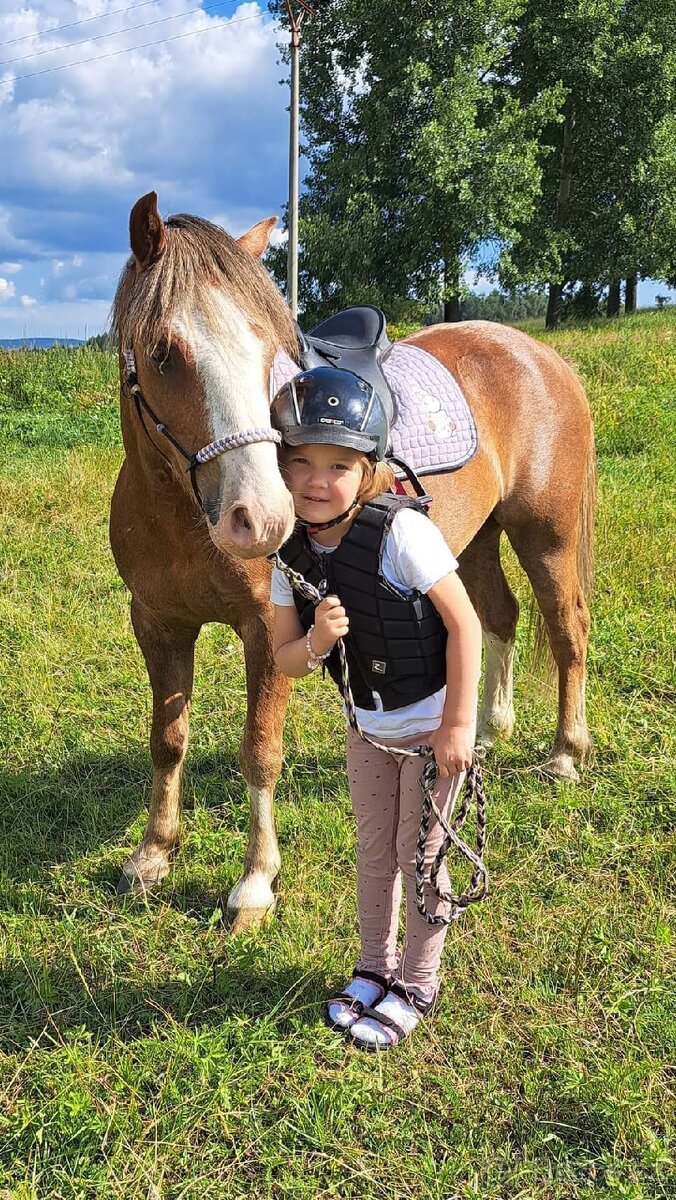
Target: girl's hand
(452, 746)
(331, 623)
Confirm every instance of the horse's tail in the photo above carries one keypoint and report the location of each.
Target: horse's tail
(541, 651)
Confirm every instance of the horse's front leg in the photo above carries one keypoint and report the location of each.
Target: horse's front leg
(260, 760)
(169, 654)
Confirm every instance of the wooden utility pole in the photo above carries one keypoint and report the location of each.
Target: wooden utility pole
(295, 11)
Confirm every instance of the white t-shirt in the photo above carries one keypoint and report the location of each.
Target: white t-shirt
(415, 557)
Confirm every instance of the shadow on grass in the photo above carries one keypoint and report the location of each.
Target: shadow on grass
(52, 816)
(52, 1004)
(50, 812)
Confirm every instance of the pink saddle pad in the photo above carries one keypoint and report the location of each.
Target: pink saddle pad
(434, 429)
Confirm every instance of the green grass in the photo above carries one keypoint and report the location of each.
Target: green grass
(144, 1053)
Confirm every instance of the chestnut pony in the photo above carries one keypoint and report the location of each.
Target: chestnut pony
(199, 321)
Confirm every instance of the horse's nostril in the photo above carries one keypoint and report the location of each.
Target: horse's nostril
(240, 519)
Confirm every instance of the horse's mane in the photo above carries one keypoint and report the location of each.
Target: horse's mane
(198, 255)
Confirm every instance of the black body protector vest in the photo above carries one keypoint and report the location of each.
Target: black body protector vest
(397, 641)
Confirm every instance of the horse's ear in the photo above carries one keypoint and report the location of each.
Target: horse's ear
(146, 231)
(256, 239)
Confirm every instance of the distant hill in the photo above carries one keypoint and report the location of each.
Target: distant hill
(38, 343)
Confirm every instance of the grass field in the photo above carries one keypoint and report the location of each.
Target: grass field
(145, 1054)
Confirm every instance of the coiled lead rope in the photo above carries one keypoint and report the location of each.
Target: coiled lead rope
(473, 790)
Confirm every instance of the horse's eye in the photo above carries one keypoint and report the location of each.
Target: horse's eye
(161, 356)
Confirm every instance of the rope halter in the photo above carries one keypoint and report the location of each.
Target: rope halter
(233, 441)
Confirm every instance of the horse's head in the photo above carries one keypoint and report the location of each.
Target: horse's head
(200, 319)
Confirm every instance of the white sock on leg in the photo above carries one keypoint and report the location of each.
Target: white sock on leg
(369, 1031)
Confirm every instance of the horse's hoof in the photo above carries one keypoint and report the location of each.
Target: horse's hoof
(485, 739)
(491, 731)
(141, 875)
(561, 766)
(243, 920)
(136, 886)
(250, 902)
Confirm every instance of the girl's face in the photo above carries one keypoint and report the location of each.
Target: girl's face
(323, 480)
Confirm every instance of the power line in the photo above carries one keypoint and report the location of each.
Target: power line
(119, 32)
(129, 49)
(85, 21)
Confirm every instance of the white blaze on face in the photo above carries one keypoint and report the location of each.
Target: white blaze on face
(230, 365)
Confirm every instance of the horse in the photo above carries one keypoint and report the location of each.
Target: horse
(200, 502)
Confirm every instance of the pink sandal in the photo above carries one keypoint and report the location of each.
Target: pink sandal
(351, 1006)
(388, 1032)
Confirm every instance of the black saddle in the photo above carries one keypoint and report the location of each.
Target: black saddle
(356, 340)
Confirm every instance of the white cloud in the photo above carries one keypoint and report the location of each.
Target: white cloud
(104, 125)
(474, 281)
(7, 289)
(28, 301)
(10, 268)
(201, 119)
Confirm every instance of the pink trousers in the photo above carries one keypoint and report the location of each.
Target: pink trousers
(387, 801)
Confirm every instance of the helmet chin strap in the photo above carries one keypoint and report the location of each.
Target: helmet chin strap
(313, 526)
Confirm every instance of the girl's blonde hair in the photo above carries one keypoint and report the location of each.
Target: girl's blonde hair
(376, 478)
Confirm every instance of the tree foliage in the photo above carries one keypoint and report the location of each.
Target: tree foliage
(615, 62)
(419, 151)
(536, 139)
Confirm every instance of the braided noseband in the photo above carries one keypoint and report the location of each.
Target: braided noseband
(478, 885)
(234, 441)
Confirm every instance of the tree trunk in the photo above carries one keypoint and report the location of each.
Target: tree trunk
(630, 294)
(554, 306)
(562, 210)
(452, 309)
(613, 301)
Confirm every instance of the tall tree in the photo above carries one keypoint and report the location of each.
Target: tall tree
(423, 157)
(607, 192)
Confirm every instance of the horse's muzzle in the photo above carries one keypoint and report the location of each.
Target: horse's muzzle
(251, 530)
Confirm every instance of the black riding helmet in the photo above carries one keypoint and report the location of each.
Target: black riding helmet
(332, 406)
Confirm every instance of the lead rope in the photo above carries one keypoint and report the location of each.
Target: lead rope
(478, 885)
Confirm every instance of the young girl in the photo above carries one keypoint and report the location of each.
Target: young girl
(413, 645)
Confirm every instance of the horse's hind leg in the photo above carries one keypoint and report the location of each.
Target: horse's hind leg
(481, 572)
(550, 561)
(169, 655)
(260, 760)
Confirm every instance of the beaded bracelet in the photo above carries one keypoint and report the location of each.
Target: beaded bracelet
(313, 660)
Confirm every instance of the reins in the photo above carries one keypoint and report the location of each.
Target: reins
(473, 790)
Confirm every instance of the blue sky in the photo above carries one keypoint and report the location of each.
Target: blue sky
(201, 119)
(199, 116)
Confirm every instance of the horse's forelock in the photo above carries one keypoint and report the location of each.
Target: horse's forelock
(198, 256)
